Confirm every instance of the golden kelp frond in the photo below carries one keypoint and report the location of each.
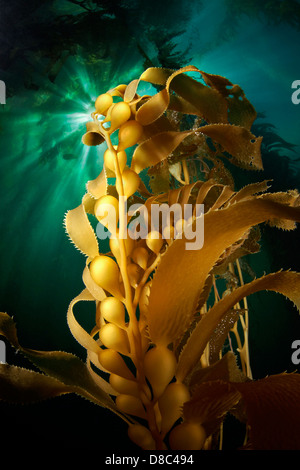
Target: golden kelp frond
(68, 370)
(97, 187)
(19, 385)
(286, 283)
(207, 102)
(289, 198)
(80, 231)
(240, 110)
(172, 305)
(214, 101)
(164, 301)
(250, 190)
(241, 144)
(93, 136)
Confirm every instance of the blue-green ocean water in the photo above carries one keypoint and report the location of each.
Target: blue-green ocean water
(55, 59)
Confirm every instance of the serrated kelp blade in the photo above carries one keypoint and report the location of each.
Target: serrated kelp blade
(181, 275)
(238, 142)
(286, 283)
(240, 110)
(250, 190)
(62, 366)
(225, 369)
(23, 386)
(81, 232)
(98, 187)
(290, 198)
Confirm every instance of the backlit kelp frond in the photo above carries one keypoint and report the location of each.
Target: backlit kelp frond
(155, 354)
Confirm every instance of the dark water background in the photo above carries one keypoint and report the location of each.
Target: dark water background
(56, 57)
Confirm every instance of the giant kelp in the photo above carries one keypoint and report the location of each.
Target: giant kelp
(155, 355)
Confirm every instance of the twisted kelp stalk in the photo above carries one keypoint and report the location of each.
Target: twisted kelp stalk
(155, 335)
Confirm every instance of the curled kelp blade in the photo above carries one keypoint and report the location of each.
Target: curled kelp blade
(220, 101)
(181, 275)
(206, 102)
(80, 231)
(97, 293)
(97, 187)
(80, 334)
(240, 110)
(66, 368)
(286, 283)
(237, 141)
(153, 108)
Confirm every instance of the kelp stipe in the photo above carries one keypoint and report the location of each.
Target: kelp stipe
(156, 356)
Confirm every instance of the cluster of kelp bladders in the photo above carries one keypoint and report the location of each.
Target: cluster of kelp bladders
(155, 353)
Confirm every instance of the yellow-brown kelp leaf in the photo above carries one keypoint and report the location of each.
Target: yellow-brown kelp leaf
(152, 109)
(250, 190)
(79, 333)
(156, 149)
(23, 386)
(88, 202)
(66, 368)
(96, 291)
(286, 283)
(81, 232)
(235, 140)
(272, 405)
(93, 136)
(97, 187)
(207, 102)
(238, 142)
(180, 277)
(240, 112)
(219, 102)
(291, 198)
